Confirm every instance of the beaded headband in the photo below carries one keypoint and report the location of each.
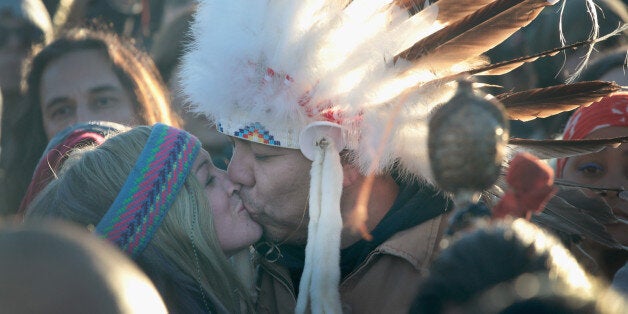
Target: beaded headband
(150, 189)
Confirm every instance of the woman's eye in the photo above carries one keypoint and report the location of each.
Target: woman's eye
(590, 169)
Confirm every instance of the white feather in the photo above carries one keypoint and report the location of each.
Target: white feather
(338, 51)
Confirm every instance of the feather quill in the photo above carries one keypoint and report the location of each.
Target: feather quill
(595, 207)
(567, 214)
(544, 102)
(547, 149)
(503, 67)
(574, 224)
(569, 211)
(476, 33)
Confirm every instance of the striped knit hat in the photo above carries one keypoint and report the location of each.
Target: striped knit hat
(58, 149)
(610, 111)
(150, 189)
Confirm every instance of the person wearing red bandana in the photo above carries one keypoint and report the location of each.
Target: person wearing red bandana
(605, 173)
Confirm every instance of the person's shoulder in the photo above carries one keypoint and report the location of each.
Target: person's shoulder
(419, 244)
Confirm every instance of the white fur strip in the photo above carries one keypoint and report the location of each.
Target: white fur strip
(312, 228)
(325, 279)
(321, 275)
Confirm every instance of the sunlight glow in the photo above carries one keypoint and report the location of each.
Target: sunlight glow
(349, 80)
(574, 274)
(362, 9)
(391, 89)
(569, 269)
(349, 39)
(137, 293)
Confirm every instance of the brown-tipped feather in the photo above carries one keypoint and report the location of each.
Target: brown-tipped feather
(548, 101)
(409, 4)
(546, 149)
(475, 33)
(506, 66)
(503, 67)
(450, 11)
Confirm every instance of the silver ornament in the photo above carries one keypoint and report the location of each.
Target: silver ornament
(467, 142)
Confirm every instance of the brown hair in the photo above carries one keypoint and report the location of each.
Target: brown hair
(133, 67)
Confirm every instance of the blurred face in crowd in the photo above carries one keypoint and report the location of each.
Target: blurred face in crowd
(16, 39)
(234, 227)
(608, 169)
(275, 187)
(80, 87)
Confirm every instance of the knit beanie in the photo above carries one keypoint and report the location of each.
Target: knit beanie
(76, 136)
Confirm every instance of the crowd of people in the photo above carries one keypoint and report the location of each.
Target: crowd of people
(223, 156)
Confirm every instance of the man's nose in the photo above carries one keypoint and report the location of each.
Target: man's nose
(83, 114)
(240, 166)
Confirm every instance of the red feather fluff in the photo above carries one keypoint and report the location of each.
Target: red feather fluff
(530, 184)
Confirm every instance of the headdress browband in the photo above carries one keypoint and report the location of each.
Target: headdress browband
(150, 189)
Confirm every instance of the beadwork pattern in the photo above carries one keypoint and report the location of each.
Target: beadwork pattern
(255, 132)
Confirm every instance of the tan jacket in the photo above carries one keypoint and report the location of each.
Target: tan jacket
(386, 282)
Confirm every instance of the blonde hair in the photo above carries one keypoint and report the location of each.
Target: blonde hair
(184, 253)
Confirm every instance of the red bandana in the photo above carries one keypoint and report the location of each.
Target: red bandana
(610, 111)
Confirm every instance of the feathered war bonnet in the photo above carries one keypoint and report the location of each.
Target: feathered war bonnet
(324, 76)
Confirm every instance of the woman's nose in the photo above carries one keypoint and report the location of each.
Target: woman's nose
(230, 186)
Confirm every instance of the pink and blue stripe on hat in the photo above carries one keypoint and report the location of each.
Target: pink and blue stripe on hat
(150, 189)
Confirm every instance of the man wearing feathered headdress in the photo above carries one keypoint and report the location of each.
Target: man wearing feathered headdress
(328, 104)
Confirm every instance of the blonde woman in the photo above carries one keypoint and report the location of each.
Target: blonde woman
(155, 193)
